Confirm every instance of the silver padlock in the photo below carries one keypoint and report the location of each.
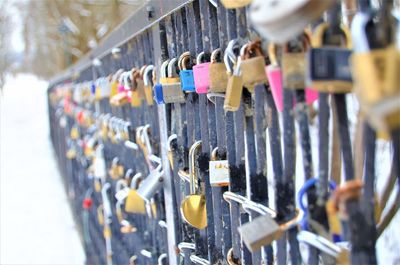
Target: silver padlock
(153, 183)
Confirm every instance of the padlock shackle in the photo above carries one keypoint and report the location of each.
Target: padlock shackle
(162, 257)
(121, 183)
(106, 201)
(171, 138)
(199, 57)
(320, 243)
(135, 181)
(146, 79)
(186, 245)
(321, 30)
(192, 167)
(233, 197)
(171, 64)
(164, 69)
(128, 173)
(214, 55)
(197, 260)
(183, 60)
(249, 205)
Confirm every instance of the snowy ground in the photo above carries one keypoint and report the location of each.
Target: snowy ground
(36, 221)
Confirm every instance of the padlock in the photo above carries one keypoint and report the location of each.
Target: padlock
(117, 170)
(375, 72)
(171, 85)
(151, 185)
(234, 88)
(328, 66)
(253, 65)
(218, 75)
(131, 86)
(121, 98)
(148, 93)
(274, 74)
(158, 88)
(193, 207)
(230, 4)
(74, 134)
(219, 171)
(201, 74)
(134, 203)
(99, 163)
(279, 22)
(263, 230)
(185, 73)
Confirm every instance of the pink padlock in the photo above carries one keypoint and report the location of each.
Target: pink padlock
(201, 75)
(274, 74)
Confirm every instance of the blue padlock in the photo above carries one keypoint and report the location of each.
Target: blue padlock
(158, 94)
(186, 75)
(158, 89)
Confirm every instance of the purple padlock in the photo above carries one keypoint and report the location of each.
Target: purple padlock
(201, 75)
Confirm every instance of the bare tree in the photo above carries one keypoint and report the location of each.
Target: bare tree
(5, 37)
(58, 32)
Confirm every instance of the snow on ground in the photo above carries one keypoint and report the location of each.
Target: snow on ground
(36, 221)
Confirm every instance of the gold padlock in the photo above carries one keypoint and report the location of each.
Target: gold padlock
(193, 207)
(148, 91)
(294, 70)
(253, 65)
(74, 134)
(376, 87)
(234, 91)
(230, 4)
(171, 85)
(217, 73)
(134, 203)
(117, 170)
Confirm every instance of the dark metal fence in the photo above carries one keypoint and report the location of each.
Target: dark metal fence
(185, 181)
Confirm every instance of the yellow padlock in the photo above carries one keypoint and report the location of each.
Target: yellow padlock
(134, 203)
(230, 4)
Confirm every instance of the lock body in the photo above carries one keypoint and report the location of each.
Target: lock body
(148, 93)
(172, 92)
(253, 72)
(329, 70)
(261, 231)
(201, 77)
(218, 78)
(376, 75)
(235, 3)
(187, 80)
(293, 69)
(219, 173)
(233, 93)
(134, 203)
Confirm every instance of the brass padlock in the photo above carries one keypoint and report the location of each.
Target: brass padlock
(218, 74)
(74, 134)
(171, 85)
(134, 203)
(147, 82)
(294, 70)
(230, 4)
(193, 207)
(234, 88)
(253, 65)
(263, 230)
(117, 170)
(376, 76)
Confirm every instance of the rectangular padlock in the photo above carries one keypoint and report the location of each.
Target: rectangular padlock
(148, 95)
(219, 173)
(187, 80)
(261, 231)
(233, 93)
(201, 77)
(253, 72)
(172, 92)
(294, 70)
(218, 78)
(329, 70)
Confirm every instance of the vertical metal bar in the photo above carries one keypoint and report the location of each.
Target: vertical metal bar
(160, 53)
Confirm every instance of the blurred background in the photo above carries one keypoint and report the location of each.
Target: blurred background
(39, 38)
